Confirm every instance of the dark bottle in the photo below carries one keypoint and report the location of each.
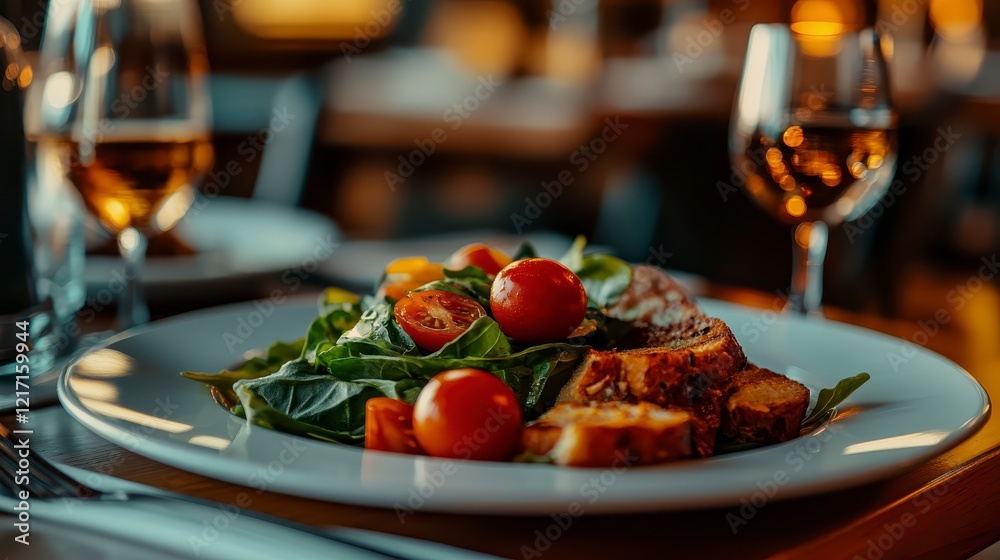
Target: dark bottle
(17, 290)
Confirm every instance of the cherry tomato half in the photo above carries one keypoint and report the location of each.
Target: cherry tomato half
(467, 414)
(487, 258)
(389, 426)
(537, 300)
(434, 318)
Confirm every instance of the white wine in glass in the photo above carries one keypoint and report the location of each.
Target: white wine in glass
(125, 108)
(814, 133)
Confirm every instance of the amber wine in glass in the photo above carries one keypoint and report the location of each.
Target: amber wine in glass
(813, 133)
(125, 110)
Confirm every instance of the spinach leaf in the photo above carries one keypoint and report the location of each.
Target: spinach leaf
(483, 346)
(604, 277)
(573, 259)
(298, 399)
(828, 399)
(378, 327)
(483, 339)
(470, 281)
(335, 319)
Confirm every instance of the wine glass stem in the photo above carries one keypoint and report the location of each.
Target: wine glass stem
(132, 309)
(809, 249)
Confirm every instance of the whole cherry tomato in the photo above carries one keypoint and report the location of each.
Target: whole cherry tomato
(537, 300)
(467, 414)
(487, 258)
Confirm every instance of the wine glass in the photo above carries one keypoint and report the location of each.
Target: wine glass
(813, 135)
(124, 108)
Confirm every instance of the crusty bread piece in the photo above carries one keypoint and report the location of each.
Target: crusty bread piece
(606, 434)
(654, 298)
(670, 369)
(675, 356)
(763, 407)
(686, 365)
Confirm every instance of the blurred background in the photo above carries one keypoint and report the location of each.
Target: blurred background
(408, 118)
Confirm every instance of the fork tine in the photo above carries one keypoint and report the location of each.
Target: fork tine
(45, 480)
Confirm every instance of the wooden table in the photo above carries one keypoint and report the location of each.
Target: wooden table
(946, 508)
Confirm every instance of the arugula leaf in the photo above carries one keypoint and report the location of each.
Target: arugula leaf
(828, 399)
(277, 354)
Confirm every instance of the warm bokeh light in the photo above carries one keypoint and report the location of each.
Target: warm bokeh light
(831, 175)
(817, 24)
(793, 136)
(795, 206)
(483, 35)
(955, 19)
(316, 19)
(817, 17)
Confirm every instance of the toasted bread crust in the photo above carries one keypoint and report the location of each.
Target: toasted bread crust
(689, 368)
(608, 434)
(677, 357)
(763, 407)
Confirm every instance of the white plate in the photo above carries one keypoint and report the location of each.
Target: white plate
(236, 238)
(130, 392)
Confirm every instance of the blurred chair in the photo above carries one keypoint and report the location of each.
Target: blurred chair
(248, 105)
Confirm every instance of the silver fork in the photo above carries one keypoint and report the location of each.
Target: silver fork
(56, 497)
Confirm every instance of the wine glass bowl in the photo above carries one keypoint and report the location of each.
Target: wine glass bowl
(813, 131)
(124, 108)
